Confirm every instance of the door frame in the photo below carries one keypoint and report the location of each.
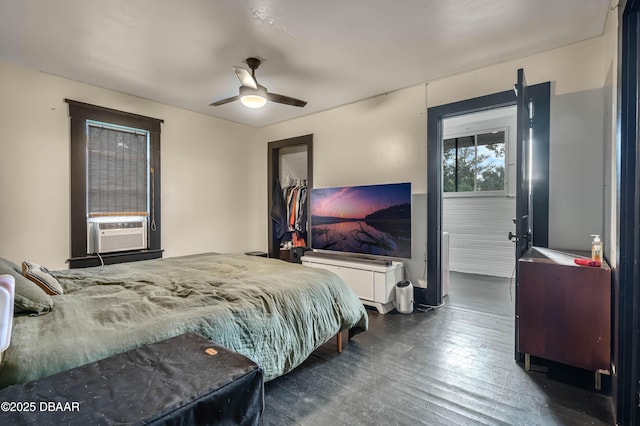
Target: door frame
(273, 172)
(435, 115)
(627, 275)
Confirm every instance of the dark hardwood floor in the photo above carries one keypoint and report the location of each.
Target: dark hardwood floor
(450, 366)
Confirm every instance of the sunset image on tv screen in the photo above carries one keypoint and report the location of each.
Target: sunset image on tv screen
(372, 219)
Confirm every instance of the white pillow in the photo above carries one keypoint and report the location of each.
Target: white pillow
(7, 290)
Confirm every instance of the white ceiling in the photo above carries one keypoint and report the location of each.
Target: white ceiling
(329, 52)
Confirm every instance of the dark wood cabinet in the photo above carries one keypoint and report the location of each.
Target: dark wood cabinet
(564, 310)
(293, 254)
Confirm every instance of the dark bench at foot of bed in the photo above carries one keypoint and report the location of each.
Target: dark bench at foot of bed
(183, 380)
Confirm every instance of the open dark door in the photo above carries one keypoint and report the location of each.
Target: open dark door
(524, 193)
(524, 190)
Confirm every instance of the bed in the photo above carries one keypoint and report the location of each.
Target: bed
(274, 312)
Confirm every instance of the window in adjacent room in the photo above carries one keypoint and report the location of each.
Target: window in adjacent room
(115, 185)
(474, 163)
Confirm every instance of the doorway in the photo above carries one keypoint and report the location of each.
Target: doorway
(479, 183)
(435, 148)
(287, 160)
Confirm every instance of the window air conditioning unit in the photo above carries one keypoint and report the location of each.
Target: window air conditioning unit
(109, 234)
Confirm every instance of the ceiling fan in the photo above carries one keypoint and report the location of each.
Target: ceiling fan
(254, 95)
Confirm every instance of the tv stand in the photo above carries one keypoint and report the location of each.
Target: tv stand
(372, 280)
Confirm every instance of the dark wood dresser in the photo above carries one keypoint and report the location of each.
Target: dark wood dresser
(564, 311)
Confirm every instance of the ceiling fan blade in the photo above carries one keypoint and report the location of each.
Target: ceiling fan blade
(281, 99)
(245, 77)
(225, 101)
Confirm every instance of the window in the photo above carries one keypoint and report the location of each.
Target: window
(474, 163)
(115, 171)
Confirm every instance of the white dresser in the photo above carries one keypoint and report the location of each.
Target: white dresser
(373, 281)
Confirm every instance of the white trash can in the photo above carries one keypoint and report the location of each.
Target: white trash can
(404, 297)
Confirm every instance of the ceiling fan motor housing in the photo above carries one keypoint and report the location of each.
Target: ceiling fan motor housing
(253, 63)
(253, 98)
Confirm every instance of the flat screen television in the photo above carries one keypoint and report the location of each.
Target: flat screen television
(370, 220)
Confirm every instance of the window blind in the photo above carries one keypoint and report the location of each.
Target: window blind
(117, 166)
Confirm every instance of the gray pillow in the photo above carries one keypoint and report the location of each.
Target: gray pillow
(28, 296)
(42, 278)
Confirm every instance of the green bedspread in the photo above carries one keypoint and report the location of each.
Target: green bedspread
(274, 312)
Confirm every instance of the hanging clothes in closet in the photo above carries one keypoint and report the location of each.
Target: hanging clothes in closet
(279, 213)
(289, 212)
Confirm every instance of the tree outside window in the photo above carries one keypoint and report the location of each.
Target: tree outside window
(474, 163)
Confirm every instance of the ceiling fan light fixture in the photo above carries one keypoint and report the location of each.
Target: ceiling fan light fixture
(252, 94)
(253, 98)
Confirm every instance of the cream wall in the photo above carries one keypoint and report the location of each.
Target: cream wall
(209, 178)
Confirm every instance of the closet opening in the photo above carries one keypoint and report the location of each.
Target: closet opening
(290, 177)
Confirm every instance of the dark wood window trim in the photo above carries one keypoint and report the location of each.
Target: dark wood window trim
(79, 113)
